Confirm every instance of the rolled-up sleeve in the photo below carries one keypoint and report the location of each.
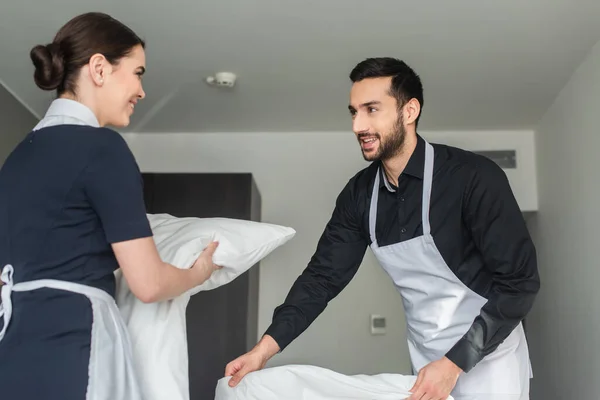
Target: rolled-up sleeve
(497, 226)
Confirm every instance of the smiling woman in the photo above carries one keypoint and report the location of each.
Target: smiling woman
(72, 212)
(96, 60)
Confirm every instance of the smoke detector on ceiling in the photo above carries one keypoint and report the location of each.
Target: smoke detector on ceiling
(222, 79)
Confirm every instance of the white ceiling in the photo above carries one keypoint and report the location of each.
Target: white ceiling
(484, 64)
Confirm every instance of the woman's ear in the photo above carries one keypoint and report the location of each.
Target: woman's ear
(98, 68)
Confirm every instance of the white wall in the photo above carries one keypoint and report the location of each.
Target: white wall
(565, 323)
(299, 176)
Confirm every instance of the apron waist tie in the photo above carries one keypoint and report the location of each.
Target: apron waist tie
(6, 307)
(9, 286)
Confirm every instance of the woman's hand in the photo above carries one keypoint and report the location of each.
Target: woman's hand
(150, 279)
(204, 267)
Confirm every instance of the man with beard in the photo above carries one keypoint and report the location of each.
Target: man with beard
(445, 226)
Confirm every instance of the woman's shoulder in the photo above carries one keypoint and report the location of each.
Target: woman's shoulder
(88, 143)
(96, 139)
(81, 132)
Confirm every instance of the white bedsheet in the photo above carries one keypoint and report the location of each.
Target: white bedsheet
(306, 382)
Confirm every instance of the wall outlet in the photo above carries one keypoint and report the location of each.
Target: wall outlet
(378, 324)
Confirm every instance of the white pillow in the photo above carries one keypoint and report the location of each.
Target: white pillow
(158, 330)
(242, 243)
(299, 382)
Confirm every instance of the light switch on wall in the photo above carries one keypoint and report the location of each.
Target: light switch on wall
(377, 325)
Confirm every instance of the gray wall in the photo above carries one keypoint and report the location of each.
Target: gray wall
(15, 122)
(564, 327)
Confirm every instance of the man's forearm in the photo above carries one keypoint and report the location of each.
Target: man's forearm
(267, 347)
(497, 320)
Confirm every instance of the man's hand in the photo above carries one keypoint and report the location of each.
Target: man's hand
(252, 361)
(435, 381)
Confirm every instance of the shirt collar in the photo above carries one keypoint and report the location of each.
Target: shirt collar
(414, 167)
(73, 109)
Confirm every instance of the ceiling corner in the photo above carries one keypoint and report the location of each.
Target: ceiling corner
(20, 100)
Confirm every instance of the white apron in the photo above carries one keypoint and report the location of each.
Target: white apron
(111, 373)
(440, 309)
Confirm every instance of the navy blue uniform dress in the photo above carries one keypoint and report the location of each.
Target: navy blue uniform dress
(67, 192)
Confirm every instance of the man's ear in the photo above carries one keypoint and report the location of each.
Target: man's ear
(411, 111)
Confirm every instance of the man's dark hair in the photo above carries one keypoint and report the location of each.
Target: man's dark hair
(405, 85)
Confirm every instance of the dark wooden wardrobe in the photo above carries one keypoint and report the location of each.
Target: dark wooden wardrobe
(221, 323)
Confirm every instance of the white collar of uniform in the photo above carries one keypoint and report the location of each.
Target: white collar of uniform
(71, 109)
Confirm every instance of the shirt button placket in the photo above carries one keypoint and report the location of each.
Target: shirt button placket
(401, 216)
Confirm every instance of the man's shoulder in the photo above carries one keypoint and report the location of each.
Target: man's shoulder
(363, 179)
(469, 161)
(359, 186)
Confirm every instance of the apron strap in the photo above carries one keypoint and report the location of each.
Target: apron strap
(6, 292)
(9, 286)
(373, 209)
(427, 181)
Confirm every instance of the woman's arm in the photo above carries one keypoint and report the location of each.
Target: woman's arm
(150, 279)
(114, 187)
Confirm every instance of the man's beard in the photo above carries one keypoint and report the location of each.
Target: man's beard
(389, 147)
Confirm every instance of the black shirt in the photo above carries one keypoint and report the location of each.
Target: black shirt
(476, 224)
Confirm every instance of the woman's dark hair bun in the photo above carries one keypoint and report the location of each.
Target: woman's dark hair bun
(57, 65)
(49, 65)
